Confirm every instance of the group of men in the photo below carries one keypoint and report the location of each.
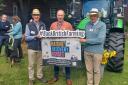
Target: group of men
(95, 37)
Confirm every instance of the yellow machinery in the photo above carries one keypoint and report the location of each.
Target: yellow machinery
(107, 55)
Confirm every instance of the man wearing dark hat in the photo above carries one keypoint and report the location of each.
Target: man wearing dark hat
(34, 46)
(95, 38)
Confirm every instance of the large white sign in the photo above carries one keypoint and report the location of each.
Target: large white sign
(61, 51)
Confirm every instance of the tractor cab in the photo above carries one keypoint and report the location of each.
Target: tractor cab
(80, 9)
(109, 11)
(102, 5)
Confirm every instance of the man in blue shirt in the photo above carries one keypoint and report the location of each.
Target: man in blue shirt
(34, 46)
(4, 28)
(95, 38)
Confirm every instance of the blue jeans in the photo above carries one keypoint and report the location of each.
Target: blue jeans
(67, 71)
(4, 40)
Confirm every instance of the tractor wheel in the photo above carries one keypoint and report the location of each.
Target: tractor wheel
(116, 42)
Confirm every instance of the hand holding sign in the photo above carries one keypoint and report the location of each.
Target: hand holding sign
(38, 36)
(83, 40)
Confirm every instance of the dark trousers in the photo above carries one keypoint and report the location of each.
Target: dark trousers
(17, 49)
(4, 40)
(67, 71)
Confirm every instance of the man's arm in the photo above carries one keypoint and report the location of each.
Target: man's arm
(100, 38)
(70, 27)
(43, 26)
(52, 26)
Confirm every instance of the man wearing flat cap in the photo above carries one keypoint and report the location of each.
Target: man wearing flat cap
(95, 38)
(34, 46)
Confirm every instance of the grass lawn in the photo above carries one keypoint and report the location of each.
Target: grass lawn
(18, 74)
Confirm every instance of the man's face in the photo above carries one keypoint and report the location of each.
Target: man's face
(94, 18)
(36, 17)
(4, 18)
(60, 16)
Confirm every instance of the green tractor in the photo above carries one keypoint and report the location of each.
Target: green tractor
(112, 12)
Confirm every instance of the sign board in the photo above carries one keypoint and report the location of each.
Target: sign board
(61, 51)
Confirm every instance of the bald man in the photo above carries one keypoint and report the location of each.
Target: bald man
(60, 24)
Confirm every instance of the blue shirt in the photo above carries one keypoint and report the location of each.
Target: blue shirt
(27, 34)
(16, 31)
(95, 34)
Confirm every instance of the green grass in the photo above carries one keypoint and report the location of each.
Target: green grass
(18, 74)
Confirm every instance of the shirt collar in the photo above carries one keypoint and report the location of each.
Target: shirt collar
(60, 22)
(37, 23)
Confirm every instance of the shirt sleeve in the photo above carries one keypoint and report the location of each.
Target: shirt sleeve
(28, 37)
(52, 26)
(70, 27)
(100, 38)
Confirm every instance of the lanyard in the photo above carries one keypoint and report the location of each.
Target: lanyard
(59, 25)
(91, 28)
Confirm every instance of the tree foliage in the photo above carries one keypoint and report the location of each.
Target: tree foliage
(2, 5)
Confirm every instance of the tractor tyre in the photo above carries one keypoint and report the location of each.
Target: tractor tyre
(116, 43)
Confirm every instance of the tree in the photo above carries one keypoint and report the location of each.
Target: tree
(2, 5)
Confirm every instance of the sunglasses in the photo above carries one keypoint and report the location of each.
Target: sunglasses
(36, 14)
(93, 15)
